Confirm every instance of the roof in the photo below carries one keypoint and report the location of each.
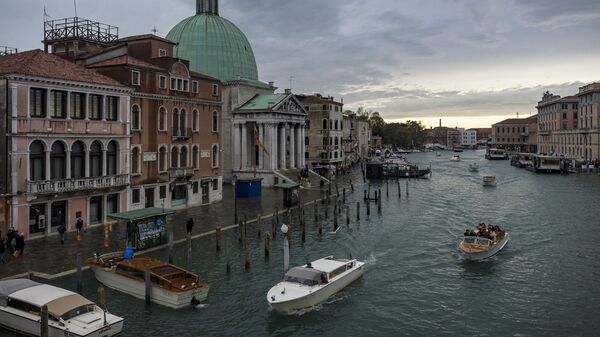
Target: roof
(263, 102)
(515, 121)
(287, 185)
(316, 99)
(327, 265)
(140, 214)
(41, 294)
(41, 64)
(9, 287)
(125, 60)
(145, 37)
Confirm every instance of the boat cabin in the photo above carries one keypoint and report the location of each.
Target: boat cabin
(478, 241)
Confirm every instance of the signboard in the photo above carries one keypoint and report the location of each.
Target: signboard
(149, 156)
(205, 154)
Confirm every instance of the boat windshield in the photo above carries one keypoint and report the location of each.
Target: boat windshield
(84, 309)
(305, 276)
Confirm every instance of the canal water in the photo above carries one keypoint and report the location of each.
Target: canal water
(545, 282)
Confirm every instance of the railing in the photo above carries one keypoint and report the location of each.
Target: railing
(181, 172)
(75, 27)
(182, 133)
(7, 50)
(74, 185)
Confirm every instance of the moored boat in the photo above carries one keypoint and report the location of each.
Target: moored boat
(69, 314)
(489, 181)
(313, 283)
(496, 154)
(172, 286)
(483, 242)
(455, 158)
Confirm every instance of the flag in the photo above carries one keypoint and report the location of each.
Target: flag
(258, 142)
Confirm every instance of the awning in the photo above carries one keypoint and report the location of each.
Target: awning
(61, 306)
(304, 273)
(9, 287)
(141, 214)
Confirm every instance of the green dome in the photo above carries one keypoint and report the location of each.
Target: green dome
(214, 46)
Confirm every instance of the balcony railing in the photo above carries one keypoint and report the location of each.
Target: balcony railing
(182, 133)
(75, 185)
(181, 172)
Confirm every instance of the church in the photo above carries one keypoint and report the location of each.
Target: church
(263, 131)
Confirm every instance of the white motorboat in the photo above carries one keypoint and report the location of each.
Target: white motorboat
(438, 154)
(313, 283)
(474, 167)
(69, 314)
(483, 242)
(489, 181)
(455, 158)
(172, 286)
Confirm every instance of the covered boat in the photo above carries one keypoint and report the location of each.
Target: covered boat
(496, 154)
(474, 167)
(172, 286)
(483, 242)
(69, 314)
(489, 181)
(313, 283)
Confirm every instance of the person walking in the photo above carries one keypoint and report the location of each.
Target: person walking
(79, 227)
(62, 229)
(190, 225)
(20, 245)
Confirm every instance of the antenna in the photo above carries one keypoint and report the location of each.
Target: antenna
(517, 115)
(154, 30)
(75, 5)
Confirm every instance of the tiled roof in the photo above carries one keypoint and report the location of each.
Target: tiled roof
(263, 102)
(125, 60)
(145, 37)
(314, 99)
(514, 121)
(41, 64)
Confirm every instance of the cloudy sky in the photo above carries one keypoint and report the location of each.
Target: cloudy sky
(469, 62)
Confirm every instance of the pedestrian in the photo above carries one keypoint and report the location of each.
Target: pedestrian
(62, 229)
(20, 245)
(13, 245)
(190, 225)
(79, 227)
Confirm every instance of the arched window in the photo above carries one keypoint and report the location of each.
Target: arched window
(175, 121)
(135, 160)
(196, 120)
(57, 161)
(37, 161)
(331, 124)
(111, 158)
(336, 124)
(215, 121)
(77, 160)
(324, 124)
(195, 157)
(308, 125)
(174, 157)
(183, 157)
(215, 156)
(96, 159)
(182, 124)
(162, 159)
(162, 119)
(135, 117)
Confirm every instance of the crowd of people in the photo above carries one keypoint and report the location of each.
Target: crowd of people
(13, 244)
(485, 231)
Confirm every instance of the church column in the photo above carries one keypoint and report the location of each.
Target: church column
(273, 143)
(282, 150)
(244, 149)
(261, 151)
(303, 145)
(68, 161)
(236, 146)
(299, 153)
(48, 173)
(292, 134)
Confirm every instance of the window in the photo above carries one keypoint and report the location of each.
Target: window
(37, 102)
(37, 161)
(162, 159)
(112, 108)
(215, 156)
(174, 157)
(135, 160)
(215, 121)
(77, 105)
(183, 157)
(185, 85)
(179, 84)
(196, 120)
(135, 117)
(57, 161)
(182, 121)
(135, 77)
(336, 124)
(173, 83)
(162, 119)
(175, 125)
(162, 82)
(135, 196)
(324, 124)
(195, 158)
(95, 107)
(162, 191)
(162, 52)
(111, 158)
(96, 159)
(215, 184)
(195, 187)
(195, 87)
(306, 141)
(215, 90)
(58, 105)
(77, 160)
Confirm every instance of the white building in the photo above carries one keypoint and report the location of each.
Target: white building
(469, 138)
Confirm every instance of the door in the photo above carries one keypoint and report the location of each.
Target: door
(149, 197)
(58, 213)
(205, 191)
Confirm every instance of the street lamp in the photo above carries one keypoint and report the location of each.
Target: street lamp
(235, 198)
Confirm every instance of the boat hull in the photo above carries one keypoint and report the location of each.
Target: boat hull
(486, 254)
(318, 296)
(175, 300)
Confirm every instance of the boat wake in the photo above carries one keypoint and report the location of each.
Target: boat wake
(320, 306)
(201, 306)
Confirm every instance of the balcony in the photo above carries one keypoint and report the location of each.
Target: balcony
(183, 133)
(181, 172)
(76, 185)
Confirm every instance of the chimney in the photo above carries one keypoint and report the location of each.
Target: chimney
(440, 122)
(271, 83)
(288, 91)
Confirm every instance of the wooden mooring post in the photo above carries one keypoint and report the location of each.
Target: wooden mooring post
(335, 217)
(258, 224)
(218, 238)
(171, 247)
(101, 298)
(273, 227)
(348, 216)
(44, 321)
(368, 208)
(320, 225)
(357, 211)
(148, 285)
(267, 244)
(407, 188)
(79, 262)
(188, 258)
(379, 202)
(344, 195)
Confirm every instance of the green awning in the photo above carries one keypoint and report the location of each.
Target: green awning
(141, 214)
(287, 185)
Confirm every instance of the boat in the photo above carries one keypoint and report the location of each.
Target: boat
(69, 314)
(474, 167)
(455, 158)
(458, 149)
(395, 169)
(313, 283)
(489, 181)
(496, 154)
(438, 154)
(172, 286)
(548, 164)
(483, 242)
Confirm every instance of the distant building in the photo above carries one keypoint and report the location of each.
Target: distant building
(484, 135)
(357, 135)
(376, 142)
(437, 135)
(454, 137)
(589, 122)
(469, 138)
(513, 134)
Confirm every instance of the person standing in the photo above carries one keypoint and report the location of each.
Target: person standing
(190, 225)
(20, 245)
(79, 227)
(62, 229)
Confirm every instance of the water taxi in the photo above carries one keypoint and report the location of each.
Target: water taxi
(69, 314)
(313, 283)
(489, 181)
(483, 242)
(172, 286)
(455, 158)
(496, 154)
(547, 164)
(474, 167)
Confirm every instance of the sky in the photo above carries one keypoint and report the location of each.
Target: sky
(470, 63)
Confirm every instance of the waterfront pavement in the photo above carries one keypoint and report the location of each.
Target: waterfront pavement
(47, 258)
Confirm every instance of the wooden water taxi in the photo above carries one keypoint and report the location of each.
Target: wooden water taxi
(489, 181)
(172, 286)
(483, 242)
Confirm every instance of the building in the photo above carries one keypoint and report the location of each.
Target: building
(469, 138)
(376, 142)
(513, 134)
(437, 136)
(175, 123)
(325, 130)
(454, 137)
(589, 122)
(255, 121)
(68, 142)
(484, 135)
(356, 134)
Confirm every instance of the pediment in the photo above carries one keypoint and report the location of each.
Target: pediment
(290, 105)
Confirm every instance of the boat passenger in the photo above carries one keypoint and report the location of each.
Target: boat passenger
(467, 232)
(308, 265)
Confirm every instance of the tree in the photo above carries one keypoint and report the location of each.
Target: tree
(377, 125)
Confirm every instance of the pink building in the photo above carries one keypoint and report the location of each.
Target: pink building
(68, 142)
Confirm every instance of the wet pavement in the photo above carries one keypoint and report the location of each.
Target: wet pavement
(46, 257)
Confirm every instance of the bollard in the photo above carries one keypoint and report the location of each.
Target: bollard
(171, 247)
(348, 216)
(267, 244)
(218, 238)
(148, 282)
(101, 298)
(344, 195)
(320, 224)
(258, 222)
(44, 321)
(407, 187)
(357, 211)
(188, 258)
(79, 273)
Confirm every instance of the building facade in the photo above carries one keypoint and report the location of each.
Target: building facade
(454, 137)
(68, 142)
(175, 123)
(469, 138)
(513, 134)
(325, 130)
(589, 122)
(356, 133)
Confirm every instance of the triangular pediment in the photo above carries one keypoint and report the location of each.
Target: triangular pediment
(290, 105)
